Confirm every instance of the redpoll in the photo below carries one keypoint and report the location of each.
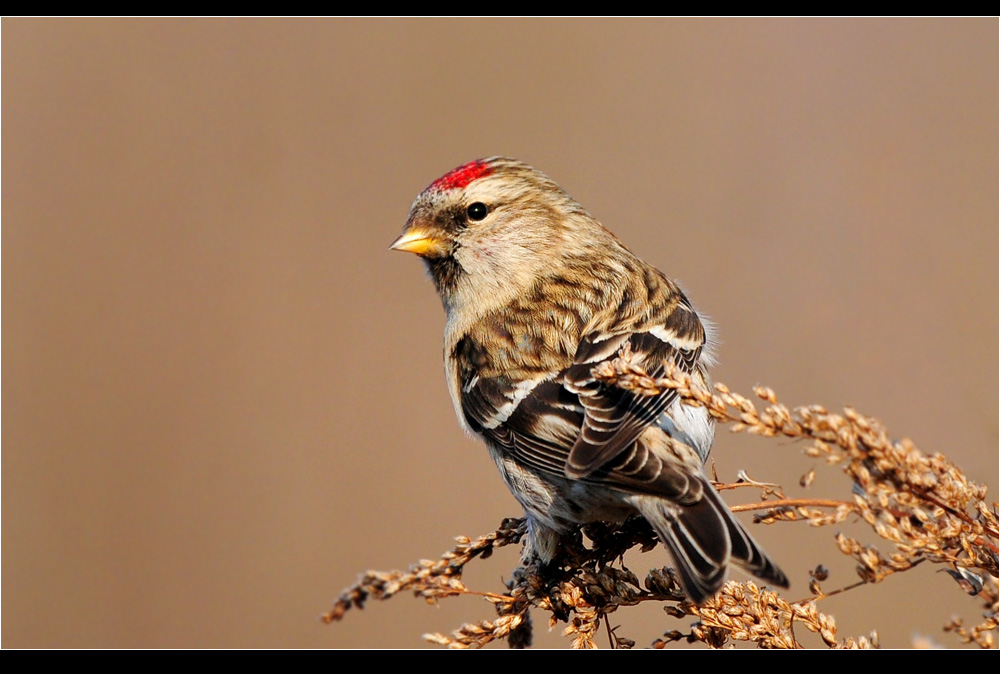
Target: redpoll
(537, 293)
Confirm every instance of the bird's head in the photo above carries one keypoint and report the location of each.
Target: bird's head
(489, 229)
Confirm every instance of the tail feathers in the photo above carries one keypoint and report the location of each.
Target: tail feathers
(697, 540)
(747, 554)
(704, 538)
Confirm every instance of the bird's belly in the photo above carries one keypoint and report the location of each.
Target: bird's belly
(560, 503)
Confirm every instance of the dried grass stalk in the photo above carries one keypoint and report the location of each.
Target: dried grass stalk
(922, 504)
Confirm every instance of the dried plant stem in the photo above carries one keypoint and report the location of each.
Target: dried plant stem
(922, 504)
(790, 503)
(429, 579)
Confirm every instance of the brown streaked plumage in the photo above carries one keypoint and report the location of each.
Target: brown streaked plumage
(537, 292)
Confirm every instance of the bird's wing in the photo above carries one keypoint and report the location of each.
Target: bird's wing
(615, 417)
(567, 424)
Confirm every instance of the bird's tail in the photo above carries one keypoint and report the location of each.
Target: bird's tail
(704, 538)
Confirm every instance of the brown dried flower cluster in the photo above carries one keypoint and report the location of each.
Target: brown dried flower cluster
(431, 579)
(922, 504)
(745, 612)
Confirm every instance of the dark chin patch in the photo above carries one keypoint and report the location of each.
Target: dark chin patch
(445, 272)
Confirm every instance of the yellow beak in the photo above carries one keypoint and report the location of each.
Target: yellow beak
(420, 242)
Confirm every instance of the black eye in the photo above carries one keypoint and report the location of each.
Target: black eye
(477, 211)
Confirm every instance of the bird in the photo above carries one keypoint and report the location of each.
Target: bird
(537, 293)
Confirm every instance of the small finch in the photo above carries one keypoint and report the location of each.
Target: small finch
(537, 293)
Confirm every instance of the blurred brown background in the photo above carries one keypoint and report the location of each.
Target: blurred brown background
(223, 396)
